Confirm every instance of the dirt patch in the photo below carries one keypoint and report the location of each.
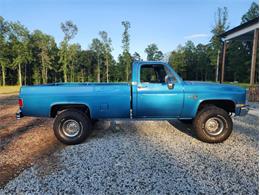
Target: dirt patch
(22, 142)
(8, 100)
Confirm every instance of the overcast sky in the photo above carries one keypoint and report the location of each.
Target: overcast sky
(167, 23)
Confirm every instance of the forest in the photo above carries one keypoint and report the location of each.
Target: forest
(28, 58)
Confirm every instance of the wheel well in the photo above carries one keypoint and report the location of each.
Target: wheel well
(227, 105)
(58, 108)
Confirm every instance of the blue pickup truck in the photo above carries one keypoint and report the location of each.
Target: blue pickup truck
(156, 92)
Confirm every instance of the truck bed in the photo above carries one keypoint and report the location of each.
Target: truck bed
(105, 100)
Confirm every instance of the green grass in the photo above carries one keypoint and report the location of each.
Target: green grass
(244, 85)
(9, 89)
(16, 88)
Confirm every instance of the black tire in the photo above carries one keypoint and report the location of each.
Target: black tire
(186, 121)
(94, 122)
(75, 118)
(213, 125)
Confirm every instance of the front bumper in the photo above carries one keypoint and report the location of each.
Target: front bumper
(243, 110)
(19, 114)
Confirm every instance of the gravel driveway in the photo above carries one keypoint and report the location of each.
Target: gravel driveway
(148, 157)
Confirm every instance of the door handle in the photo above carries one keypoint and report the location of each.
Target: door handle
(141, 87)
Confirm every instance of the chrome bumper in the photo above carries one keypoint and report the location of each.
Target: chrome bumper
(19, 114)
(244, 110)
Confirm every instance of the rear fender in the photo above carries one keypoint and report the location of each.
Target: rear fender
(76, 104)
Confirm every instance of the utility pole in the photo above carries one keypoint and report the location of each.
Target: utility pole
(253, 61)
(223, 62)
(217, 69)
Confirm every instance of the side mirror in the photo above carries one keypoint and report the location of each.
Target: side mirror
(169, 81)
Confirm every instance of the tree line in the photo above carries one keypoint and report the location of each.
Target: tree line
(199, 62)
(35, 58)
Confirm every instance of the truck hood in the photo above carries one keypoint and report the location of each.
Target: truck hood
(213, 86)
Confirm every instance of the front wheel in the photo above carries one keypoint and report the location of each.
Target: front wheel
(72, 127)
(213, 125)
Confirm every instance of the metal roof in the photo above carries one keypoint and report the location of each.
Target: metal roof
(243, 26)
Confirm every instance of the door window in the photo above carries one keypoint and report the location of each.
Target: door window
(153, 73)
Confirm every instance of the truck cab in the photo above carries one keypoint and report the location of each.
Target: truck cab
(157, 91)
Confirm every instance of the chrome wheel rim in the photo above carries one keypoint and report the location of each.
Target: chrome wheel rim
(71, 128)
(214, 126)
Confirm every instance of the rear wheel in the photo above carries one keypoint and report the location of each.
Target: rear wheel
(213, 125)
(72, 126)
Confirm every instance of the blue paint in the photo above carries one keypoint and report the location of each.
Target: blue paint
(113, 100)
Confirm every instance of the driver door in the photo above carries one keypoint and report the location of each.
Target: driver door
(154, 98)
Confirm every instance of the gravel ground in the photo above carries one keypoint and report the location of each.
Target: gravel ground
(22, 142)
(148, 157)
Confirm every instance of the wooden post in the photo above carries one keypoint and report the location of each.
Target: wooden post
(253, 61)
(217, 69)
(223, 62)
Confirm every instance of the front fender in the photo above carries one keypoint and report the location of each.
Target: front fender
(191, 105)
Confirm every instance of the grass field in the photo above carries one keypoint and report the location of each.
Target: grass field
(9, 89)
(16, 88)
(244, 85)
